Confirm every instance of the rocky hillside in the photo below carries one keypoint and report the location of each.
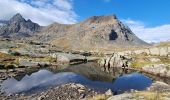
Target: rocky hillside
(17, 27)
(94, 33)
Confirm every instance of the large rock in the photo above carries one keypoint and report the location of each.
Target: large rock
(154, 60)
(28, 63)
(154, 51)
(125, 96)
(66, 58)
(6, 51)
(142, 51)
(160, 87)
(169, 50)
(163, 51)
(162, 69)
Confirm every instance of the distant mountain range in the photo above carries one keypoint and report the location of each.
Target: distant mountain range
(95, 32)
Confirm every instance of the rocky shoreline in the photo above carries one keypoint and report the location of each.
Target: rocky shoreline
(71, 91)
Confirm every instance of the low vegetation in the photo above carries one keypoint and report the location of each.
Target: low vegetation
(146, 95)
(142, 60)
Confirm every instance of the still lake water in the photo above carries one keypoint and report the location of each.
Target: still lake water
(44, 79)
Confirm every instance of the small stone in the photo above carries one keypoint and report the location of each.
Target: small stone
(80, 86)
(109, 92)
(81, 90)
(41, 97)
(82, 96)
(141, 97)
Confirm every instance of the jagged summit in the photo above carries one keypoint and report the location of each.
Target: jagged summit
(17, 18)
(95, 32)
(17, 26)
(100, 19)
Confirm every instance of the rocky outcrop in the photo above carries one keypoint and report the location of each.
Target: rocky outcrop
(125, 96)
(154, 51)
(67, 58)
(17, 26)
(109, 64)
(30, 63)
(159, 86)
(162, 69)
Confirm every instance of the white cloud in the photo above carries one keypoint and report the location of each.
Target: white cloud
(149, 34)
(43, 12)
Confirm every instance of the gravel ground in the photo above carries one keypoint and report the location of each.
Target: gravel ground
(69, 91)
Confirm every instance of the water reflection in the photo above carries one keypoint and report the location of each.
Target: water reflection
(43, 79)
(135, 81)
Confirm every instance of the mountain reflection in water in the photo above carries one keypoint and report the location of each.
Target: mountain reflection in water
(43, 79)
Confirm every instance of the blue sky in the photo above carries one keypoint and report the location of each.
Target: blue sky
(148, 19)
(152, 12)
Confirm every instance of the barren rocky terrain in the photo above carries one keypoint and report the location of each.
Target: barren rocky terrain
(100, 49)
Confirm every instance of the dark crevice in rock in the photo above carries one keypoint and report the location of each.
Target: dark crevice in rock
(113, 35)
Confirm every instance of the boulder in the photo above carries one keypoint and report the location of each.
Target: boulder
(121, 53)
(138, 52)
(26, 62)
(154, 51)
(163, 51)
(63, 59)
(109, 92)
(6, 51)
(169, 50)
(124, 96)
(66, 58)
(154, 60)
(162, 69)
(160, 87)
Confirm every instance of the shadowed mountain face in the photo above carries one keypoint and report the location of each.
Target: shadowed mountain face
(17, 26)
(96, 32)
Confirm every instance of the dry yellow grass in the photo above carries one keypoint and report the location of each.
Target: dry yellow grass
(142, 60)
(99, 97)
(164, 44)
(151, 95)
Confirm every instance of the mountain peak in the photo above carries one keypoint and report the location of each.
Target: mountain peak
(101, 19)
(17, 18)
(17, 26)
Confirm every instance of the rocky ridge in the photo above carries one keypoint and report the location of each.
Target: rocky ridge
(153, 60)
(17, 26)
(93, 33)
